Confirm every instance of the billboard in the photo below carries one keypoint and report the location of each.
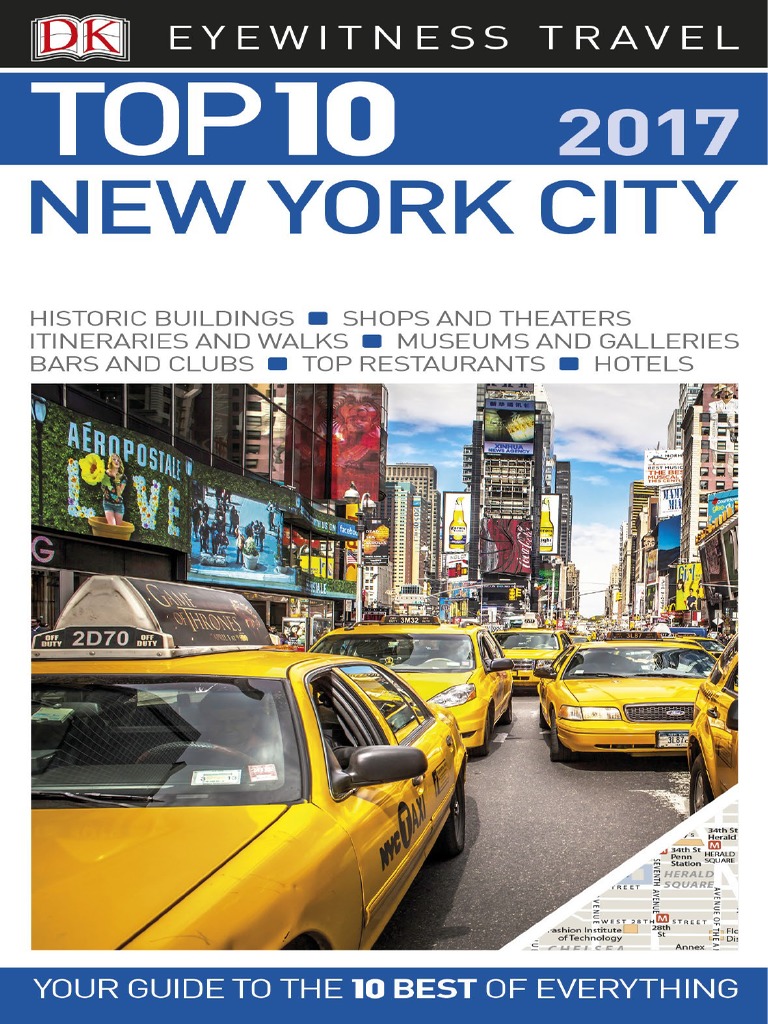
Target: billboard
(507, 448)
(508, 425)
(722, 401)
(549, 524)
(509, 392)
(688, 588)
(456, 515)
(663, 466)
(357, 440)
(652, 565)
(457, 570)
(668, 542)
(505, 546)
(720, 502)
(670, 500)
(107, 481)
(376, 542)
(713, 560)
(237, 539)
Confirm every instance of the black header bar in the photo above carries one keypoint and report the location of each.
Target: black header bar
(552, 36)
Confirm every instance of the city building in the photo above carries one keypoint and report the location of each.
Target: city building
(239, 486)
(510, 471)
(710, 459)
(563, 490)
(427, 535)
(399, 500)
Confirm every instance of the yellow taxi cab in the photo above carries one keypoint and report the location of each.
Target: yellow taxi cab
(713, 744)
(193, 788)
(621, 696)
(530, 647)
(457, 667)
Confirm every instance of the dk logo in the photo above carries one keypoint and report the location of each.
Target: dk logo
(96, 35)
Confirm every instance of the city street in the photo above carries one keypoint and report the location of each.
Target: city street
(538, 833)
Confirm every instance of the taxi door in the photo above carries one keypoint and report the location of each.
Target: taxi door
(391, 826)
(725, 741)
(499, 682)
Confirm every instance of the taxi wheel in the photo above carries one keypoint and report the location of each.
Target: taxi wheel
(543, 723)
(485, 747)
(450, 842)
(557, 750)
(700, 791)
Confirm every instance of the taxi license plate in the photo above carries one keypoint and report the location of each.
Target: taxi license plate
(672, 738)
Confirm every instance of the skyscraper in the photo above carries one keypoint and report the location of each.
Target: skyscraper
(423, 477)
(511, 450)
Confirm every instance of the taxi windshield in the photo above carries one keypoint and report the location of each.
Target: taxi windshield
(642, 660)
(405, 652)
(524, 640)
(115, 740)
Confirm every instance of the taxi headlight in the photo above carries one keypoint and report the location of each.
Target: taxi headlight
(454, 695)
(589, 714)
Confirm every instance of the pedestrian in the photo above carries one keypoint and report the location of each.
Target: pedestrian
(239, 545)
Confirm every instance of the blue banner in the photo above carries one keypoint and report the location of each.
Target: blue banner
(398, 118)
(243, 994)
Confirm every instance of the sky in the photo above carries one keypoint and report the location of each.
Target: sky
(602, 429)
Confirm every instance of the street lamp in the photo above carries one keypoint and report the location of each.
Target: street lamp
(364, 503)
(39, 412)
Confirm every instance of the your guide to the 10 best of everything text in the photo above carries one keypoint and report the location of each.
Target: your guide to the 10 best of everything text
(485, 187)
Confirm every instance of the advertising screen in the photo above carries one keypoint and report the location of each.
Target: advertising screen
(376, 542)
(549, 524)
(505, 546)
(357, 439)
(669, 542)
(688, 588)
(237, 540)
(720, 502)
(457, 513)
(104, 481)
(509, 431)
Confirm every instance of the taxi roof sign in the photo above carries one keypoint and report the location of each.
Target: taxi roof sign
(120, 616)
(410, 620)
(637, 634)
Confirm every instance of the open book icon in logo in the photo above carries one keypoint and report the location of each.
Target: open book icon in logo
(96, 35)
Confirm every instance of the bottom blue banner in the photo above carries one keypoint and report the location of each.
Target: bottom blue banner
(374, 994)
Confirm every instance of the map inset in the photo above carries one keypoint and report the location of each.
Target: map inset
(685, 898)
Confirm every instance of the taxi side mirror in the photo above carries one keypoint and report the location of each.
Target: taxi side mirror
(545, 672)
(732, 718)
(501, 665)
(377, 765)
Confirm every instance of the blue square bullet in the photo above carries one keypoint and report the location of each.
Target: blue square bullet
(277, 363)
(569, 363)
(371, 341)
(317, 319)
